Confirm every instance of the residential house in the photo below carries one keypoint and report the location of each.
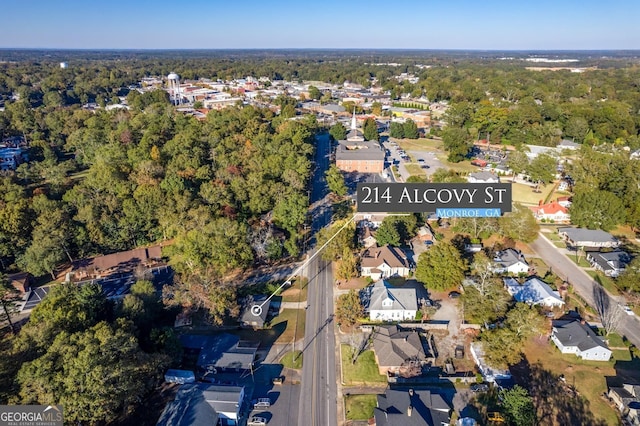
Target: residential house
(21, 281)
(483, 177)
(201, 404)
(221, 353)
(567, 144)
(372, 220)
(367, 237)
(387, 303)
(383, 262)
(253, 317)
(564, 201)
(117, 263)
(588, 238)
(426, 234)
(551, 212)
(533, 291)
(411, 408)
(612, 263)
(627, 399)
(510, 261)
(576, 337)
(396, 350)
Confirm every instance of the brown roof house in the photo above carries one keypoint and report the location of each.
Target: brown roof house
(398, 352)
(21, 281)
(117, 263)
(383, 262)
(367, 237)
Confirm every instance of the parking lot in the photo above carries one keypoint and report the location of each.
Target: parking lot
(426, 160)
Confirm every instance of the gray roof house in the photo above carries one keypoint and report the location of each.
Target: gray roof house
(411, 408)
(201, 404)
(387, 303)
(576, 337)
(612, 263)
(510, 261)
(224, 352)
(395, 348)
(627, 399)
(483, 177)
(582, 237)
(567, 144)
(247, 318)
(533, 291)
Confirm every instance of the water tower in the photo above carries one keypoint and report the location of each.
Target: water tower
(173, 81)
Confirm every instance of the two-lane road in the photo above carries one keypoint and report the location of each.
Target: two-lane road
(582, 283)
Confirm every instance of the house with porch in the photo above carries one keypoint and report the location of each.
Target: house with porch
(384, 302)
(384, 262)
(396, 350)
(576, 337)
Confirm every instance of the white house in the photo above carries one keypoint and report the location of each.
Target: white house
(384, 262)
(533, 291)
(582, 237)
(482, 177)
(576, 337)
(553, 211)
(510, 261)
(612, 263)
(387, 303)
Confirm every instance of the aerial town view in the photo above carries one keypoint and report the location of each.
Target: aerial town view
(325, 214)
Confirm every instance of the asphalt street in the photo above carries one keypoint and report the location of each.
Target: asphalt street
(583, 284)
(318, 396)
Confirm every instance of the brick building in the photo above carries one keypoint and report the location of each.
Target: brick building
(357, 155)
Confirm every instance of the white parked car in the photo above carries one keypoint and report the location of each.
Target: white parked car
(257, 421)
(627, 310)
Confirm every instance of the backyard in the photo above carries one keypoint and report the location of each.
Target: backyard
(297, 292)
(363, 372)
(284, 325)
(524, 193)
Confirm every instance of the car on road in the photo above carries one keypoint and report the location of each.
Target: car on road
(421, 160)
(424, 166)
(479, 387)
(257, 421)
(261, 403)
(454, 294)
(277, 380)
(627, 310)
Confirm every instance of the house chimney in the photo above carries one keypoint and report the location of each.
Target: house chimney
(409, 410)
(582, 322)
(539, 203)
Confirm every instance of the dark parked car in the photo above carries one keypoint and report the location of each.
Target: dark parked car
(479, 387)
(454, 295)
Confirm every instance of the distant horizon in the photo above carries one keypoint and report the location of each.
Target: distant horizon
(317, 48)
(463, 25)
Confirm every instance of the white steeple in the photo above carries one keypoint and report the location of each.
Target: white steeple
(353, 120)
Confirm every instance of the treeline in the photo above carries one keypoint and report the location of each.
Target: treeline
(110, 181)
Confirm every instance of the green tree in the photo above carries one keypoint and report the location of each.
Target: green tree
(542, 169)
(456, 142)
(291, 212)
(488, 306)
(446, 176)
(335, 181)
(595, 209)
(370, 130)
(9, 297)
(314, 93)
(337, 237)
(441, 267)
(347, 265)
(376, 109)
(338, 132)
(520, 224)
(349, 309)
(396, 130)
(518, 406)
(388, 233)
(410, 130)
(518, 162)
(95, 374)
(629, 280)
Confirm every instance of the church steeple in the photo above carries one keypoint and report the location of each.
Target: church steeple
(353, 120)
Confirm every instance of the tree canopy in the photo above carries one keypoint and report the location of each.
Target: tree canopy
(441, 267)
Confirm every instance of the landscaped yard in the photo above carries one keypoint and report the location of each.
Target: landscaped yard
(524, 193)
(292, 360)
(284, 325)
(605, 282)
(363, 372)
(587, 376)
(580, 261)
(360, 407)
(297, 292)
(414, 169)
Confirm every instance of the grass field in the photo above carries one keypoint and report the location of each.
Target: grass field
(285, 325)
(524, 194)
(414, 169)
(292, 360)
(363, 372)
(297, 292)
(360, 407)
(431, 145)
(581, 263)
(587, 376)
(605, 282)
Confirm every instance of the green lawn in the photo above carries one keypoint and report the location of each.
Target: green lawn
(581, 263)
(616, 341)
(604, 281)
(553, 236)
(587, 376)
(431, 145)
(559, 244)
(297, 292)
(363, 372)
(284, 325)
(414, 169)
(360, 407)
(292, 360)
(524, 193)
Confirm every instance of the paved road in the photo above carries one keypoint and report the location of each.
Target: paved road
(582, 283)
(318, 395)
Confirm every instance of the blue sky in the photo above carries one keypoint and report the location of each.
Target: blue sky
(416, 24)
